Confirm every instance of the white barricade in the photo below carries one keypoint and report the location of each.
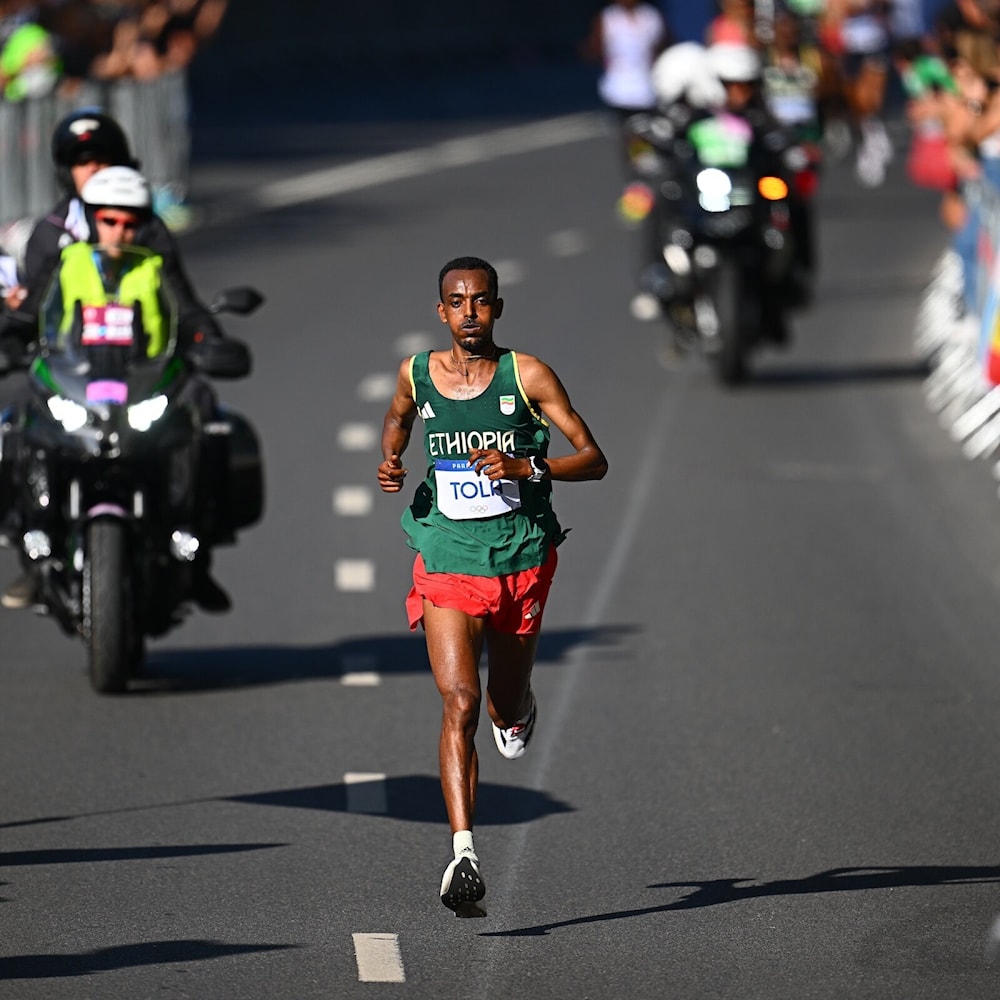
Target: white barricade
(961, 345)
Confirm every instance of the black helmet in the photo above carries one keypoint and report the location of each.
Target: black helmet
(84, 134)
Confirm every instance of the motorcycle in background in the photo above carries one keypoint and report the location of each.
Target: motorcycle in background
(122, 481)
(725, 212)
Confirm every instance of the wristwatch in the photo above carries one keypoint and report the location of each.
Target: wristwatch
(539, 468)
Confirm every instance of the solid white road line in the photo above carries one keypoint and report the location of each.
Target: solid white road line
(366, 792)
(427, 160)
(379, 959)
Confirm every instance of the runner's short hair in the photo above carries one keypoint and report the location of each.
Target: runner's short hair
(470, 264)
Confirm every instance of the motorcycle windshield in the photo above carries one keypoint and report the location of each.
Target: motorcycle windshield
(108, 326)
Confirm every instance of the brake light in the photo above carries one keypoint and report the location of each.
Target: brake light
(772, 188)
(806, 183)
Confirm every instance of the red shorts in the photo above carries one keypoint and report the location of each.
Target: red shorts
(510, 603)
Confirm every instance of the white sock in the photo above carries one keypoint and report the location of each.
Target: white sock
(461, 842)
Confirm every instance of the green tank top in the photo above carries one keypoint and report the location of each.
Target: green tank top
(458, 521)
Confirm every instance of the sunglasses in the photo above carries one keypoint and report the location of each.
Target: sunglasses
(111, 220)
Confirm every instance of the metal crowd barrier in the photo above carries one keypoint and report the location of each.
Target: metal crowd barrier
(154, 115)
(961, 345)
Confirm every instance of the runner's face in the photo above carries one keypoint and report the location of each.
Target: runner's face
(469, 308)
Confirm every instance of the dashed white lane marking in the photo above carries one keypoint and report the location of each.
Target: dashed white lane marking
(379, 958)
(360, 670)
(377, 388)
(509, 272)
(414, 343)
(427, 160)
(567, 243)
(352, 501)
(355, 575)
(357, 437)
(361, 679)
(366, 792)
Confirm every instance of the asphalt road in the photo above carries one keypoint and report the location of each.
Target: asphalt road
(768, 692)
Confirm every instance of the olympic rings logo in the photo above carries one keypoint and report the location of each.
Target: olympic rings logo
(478, 508)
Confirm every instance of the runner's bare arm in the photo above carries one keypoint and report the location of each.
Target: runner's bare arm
(396, 429)
(544, 388)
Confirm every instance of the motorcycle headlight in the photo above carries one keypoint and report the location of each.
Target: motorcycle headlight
(71, 415)
(143, 415)
(714, 188)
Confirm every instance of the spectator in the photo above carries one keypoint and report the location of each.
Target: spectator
(734, 24)
(626, 37)
(29, 66)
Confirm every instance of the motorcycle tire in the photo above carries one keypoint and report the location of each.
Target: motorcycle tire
(111, 646)
(734, 311)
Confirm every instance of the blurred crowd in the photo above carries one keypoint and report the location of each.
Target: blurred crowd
(60, 44)
(129, 57)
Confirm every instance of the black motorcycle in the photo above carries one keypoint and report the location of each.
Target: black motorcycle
(728, 232)
(126, 477)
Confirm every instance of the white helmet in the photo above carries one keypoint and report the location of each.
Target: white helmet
(735, 63)
(684, 72)
(117, 187)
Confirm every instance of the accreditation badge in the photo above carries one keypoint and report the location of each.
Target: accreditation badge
(463, 494)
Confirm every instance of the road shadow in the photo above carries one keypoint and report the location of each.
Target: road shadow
(791, 376)
(415, 798)
(718, 892)
(89, 855)
(194, 670)
(125, 956)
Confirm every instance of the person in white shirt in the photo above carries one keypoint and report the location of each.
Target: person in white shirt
(626, 37)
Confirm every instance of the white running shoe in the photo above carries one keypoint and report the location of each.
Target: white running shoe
(462, 886)
(514, 741)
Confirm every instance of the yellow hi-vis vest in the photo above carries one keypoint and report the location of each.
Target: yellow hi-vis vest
(80, 281)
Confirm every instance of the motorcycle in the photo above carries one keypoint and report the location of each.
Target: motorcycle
(727, 217)
(125, 477)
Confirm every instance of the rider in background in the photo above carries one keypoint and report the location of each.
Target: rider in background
(116, 209)
(625, 38)
(740, 70)
(863, 32)
(85, 141)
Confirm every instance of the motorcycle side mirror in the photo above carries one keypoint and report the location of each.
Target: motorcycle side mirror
(242, 301)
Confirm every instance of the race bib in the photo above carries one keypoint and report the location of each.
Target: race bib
(110, 324)
(463, 494)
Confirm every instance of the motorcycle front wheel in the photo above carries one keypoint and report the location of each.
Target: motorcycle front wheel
(734, 311)
(111, 647)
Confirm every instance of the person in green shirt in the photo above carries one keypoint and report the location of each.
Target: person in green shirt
(484, 530)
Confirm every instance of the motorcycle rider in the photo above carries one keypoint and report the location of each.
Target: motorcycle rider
(116, 208)
(696, 85)
(739, 69)
(83, 142)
